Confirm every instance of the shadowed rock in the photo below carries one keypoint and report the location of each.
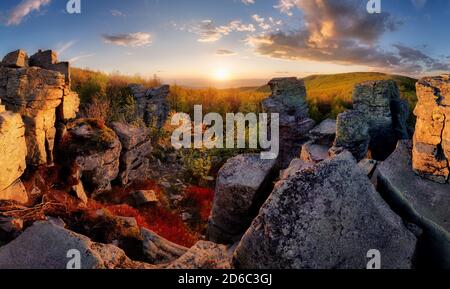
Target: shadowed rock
(288, 99)
(46, 246)
(242, 185)
(385, 113)
(327, 217)
(158, 250)
(16, 59)
(352, 134)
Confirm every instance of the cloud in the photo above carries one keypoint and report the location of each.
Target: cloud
(343, 32)
(117, 13)
(23, 9)
(225, 52)
(62, 47)
(248, 2)
(76, 58)
(286, 6)
(132, 39)
(209, 32)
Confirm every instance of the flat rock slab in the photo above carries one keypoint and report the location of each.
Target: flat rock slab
(429, 200)
(328, 217)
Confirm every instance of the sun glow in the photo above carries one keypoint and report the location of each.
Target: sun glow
(221, 74)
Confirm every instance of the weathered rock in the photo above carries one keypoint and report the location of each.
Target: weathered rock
(13, 148)
(94, 150)
(314, 153)
(158, 250)
(368, 166)
(288, 99)
(419, 201)
(242, 186)
(430, 200)
(79, 191)
(15, 192)
(295, 166)
(152, 104)
(380, 102)
(143, 197)
(16, 59)
(34, 93)
(324, 133)
(327, 217)
(136, 147)
(69, 106)
(352, 134)
(204, 255)
(431, 152)
(47, 246)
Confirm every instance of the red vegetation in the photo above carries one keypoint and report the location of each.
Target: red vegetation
(203, 200)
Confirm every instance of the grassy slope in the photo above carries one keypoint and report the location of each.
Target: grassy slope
(329, 95)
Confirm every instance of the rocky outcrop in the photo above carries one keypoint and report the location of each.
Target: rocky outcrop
(431, 152)
(13, 151)
(158, 250)
(419, 201)
(36, 90)
(288, 99)
(204, 255)
(326, 217)
(385, 113)
(136, 147)
(16, 59)
(352, 134)
(242, 185)
(46, 245)
(295, 166)
(153, 106)
(314, 153)
(324, 133)
(91, 153)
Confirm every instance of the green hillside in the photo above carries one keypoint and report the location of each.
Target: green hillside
(329, 95)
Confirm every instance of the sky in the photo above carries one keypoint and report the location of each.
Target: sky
(228, 43)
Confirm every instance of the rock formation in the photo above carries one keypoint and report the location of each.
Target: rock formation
(136, 147)
(45, 245)
(326, 217)
(158, 250)
(242, 185)
(36, 89)
(92, 154)
(431, 153)
(288, 99)
(13, 151)
(324, 133)
(152, 104)
(385, 113)
(352, 134)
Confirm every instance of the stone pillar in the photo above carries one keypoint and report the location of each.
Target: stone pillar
(431, 151)
(288, 99)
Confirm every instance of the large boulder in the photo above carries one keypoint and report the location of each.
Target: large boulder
(153, 106)
(46, 245)
(288, 99)
(242, 186)
(314, 153)
(328, 217)
(385, 114)
(91, 151)
(352, 134)
(16, 59)
(431, 152)
(13, 151)
(136, 147)
(324, 133)
(418, 200)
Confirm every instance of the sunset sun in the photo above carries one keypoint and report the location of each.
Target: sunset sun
(221, 74)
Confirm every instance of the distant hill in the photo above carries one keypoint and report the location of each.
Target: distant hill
(329, 95)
